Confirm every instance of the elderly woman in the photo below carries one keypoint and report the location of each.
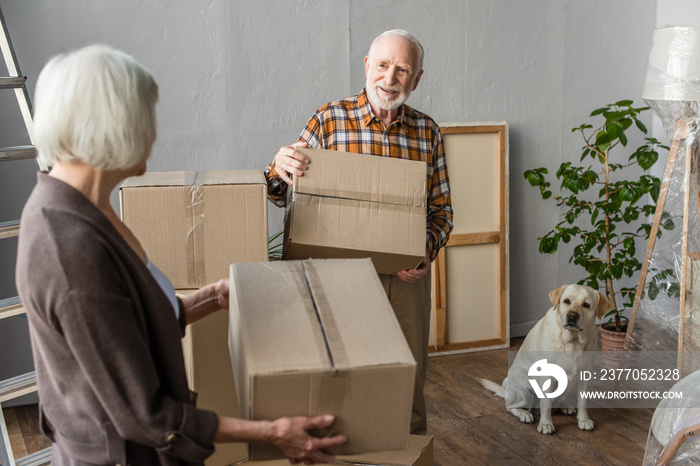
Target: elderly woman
(105, 322)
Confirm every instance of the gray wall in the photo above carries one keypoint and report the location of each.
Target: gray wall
(238, 79)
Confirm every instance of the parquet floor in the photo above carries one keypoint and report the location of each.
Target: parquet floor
(470, 425)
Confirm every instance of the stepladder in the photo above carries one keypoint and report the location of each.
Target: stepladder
(22, 384)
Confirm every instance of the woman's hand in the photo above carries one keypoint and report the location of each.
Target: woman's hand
(221, 293)
(204, 301)
(291, 436)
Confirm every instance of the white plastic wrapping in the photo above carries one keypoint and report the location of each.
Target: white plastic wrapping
(674, 65)
(668, 318)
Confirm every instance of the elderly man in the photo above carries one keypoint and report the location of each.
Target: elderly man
(377, 122)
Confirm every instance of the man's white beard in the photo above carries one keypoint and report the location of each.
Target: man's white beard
(386, 104)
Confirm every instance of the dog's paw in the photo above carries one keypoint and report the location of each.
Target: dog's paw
(545, 428)
(525, 416)
(586, 424)
(568, 411)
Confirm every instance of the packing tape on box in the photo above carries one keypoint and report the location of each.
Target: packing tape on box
(338, 354)
(194, 207)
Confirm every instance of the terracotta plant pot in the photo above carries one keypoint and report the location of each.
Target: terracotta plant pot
(612, 345)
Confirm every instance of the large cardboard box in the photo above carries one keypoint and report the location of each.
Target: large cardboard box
(418, 453)
(193, 225)
(356, 205)
(320, 337)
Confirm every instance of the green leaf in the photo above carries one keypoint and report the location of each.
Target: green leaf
(641, 126)
(627, 194)
(548, 245)
(591, 176)
(571, 184)
(585, 154)
(603, 138)
(624, 103)
(623, 139)
(533, 178)
(674, 290)
(598, 111)
(653, 291)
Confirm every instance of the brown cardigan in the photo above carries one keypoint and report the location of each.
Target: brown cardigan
(105, 339)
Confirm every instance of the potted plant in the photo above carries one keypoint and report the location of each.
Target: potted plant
(605, 204)
(274, 249)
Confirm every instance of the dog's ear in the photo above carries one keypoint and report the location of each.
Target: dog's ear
(604, 305)
(555, 295)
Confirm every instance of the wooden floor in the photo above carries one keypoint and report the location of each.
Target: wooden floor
(471, 425)
(23, 428)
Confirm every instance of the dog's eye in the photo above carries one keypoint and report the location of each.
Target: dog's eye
(586, 305)
(567, 301)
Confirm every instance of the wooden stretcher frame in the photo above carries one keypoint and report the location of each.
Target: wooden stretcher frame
(496, 237)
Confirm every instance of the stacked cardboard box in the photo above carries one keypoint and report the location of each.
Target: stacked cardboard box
(320, 337)
(418, 453)
(193, 226)
(355, 205)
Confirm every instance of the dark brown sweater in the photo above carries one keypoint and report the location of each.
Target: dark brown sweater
(105, 340)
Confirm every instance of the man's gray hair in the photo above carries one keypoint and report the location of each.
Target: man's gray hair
(406, 35)
(95, 105)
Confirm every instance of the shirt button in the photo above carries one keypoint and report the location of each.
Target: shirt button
(172, 438)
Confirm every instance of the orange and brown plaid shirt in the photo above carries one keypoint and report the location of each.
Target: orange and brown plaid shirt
(350, 126)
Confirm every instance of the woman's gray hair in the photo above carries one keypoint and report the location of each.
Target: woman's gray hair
(406, 35)
(95, 105)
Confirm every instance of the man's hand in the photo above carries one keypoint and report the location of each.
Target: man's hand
(289, 162)
(411, 276)
(292, 438)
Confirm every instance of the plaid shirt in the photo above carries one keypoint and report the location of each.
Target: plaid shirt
(350, 126)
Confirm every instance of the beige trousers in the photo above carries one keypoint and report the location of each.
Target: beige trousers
(411, 304)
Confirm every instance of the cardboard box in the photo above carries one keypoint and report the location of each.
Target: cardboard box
(210, 375)
(418, 453)
(356, 205)
(193, 225)
(320, 337)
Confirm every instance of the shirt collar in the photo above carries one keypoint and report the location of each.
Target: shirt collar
(368, 115)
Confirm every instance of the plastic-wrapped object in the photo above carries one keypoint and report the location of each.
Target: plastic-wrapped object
(663, 318)
(674, 434)
(673, 73)
(667, 316)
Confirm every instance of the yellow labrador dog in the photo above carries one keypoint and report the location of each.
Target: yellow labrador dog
(555, 348)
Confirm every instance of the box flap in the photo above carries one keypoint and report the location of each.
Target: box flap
(195, 178)
(277, 318)
(234, 177)
(418, 453)
(365, 177)
(358, 332)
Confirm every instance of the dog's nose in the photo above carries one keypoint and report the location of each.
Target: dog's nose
(572, 316)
